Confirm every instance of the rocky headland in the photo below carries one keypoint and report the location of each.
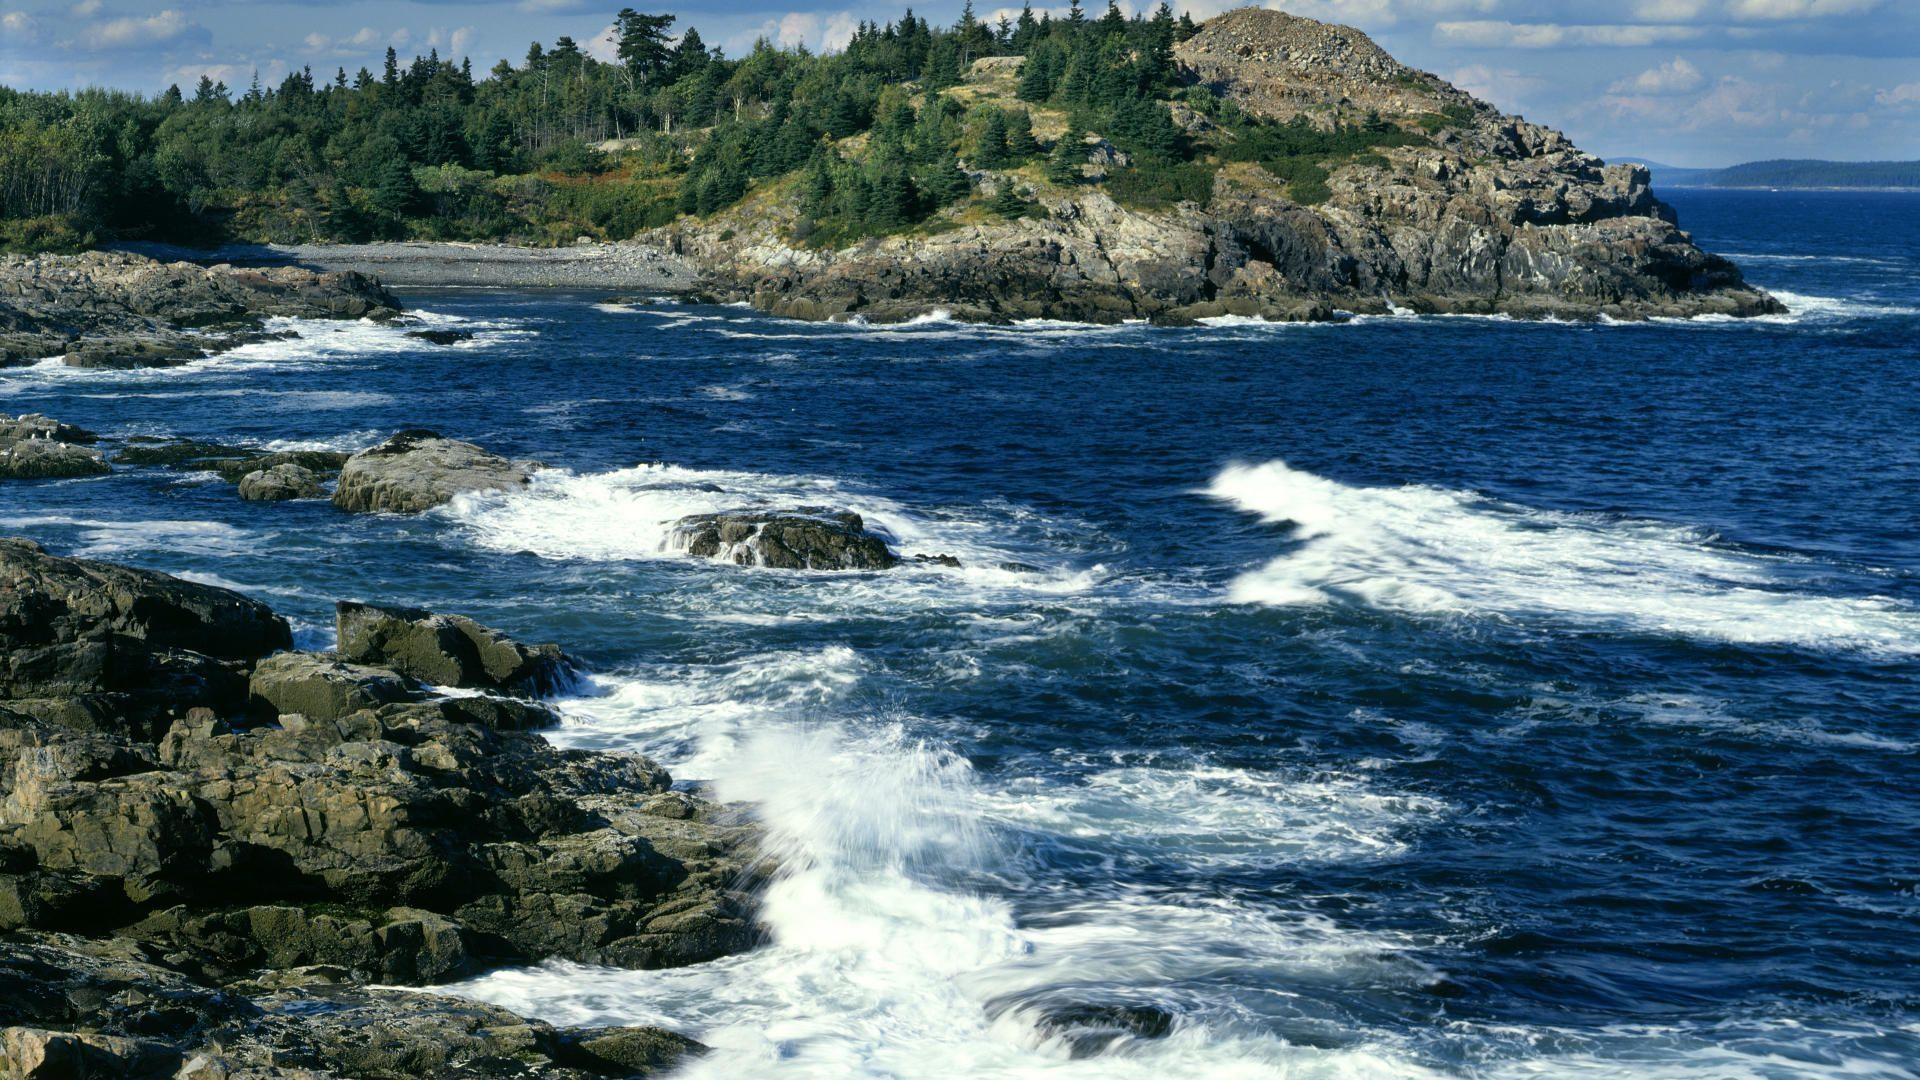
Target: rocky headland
(1474, 212)
(213, 848)
(119, 310)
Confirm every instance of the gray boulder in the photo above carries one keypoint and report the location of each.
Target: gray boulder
(417, 470)
(279, 483)
(321, 688)
(36, 447)
(447, 650)
(806, 539)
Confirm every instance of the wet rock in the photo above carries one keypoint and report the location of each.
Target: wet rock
(948, 561)
(805, 539)
(1093, 1029)
(447, 650)
(36, 447)
(442, 337)
(72, 1007)
(101, 647)
(318, 462)
(180, 453)
(417, 470)
(111, 309)
(279, 483)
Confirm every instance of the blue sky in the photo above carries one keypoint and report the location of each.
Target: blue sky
(1691, 82)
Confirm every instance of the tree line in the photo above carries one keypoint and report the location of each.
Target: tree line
(427, 149)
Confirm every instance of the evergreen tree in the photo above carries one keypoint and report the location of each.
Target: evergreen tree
(1007, 201)
(1063, 164)
(1021, 145)
(642, 47)
(393, 195)
(990, 146)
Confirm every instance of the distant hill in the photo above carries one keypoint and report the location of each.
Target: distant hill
(1796, 173)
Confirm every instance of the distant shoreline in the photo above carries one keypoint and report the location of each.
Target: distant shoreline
(1782, 188)
(624, 266)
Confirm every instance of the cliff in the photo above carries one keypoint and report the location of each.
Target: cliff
(1463, 210)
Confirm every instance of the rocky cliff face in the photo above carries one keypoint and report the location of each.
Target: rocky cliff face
(1488, 214)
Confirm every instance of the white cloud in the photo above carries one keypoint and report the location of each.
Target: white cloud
(451, 43)
(605, 45)
(1676, 76)
(17, 22)
(85, 9)
(1499, 34)
(1513, 91)
(1797, 9)
(126, 33)
(1670, 11)
(1904, 96)
(821, 33)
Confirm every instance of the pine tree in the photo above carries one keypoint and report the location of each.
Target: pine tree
(990, 148)
(1063, 164)
(1007, 201)
(1021, 145)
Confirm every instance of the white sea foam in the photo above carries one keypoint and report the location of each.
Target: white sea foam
(883, 962)
(631, 514)
(1431, 551)
(113, 538)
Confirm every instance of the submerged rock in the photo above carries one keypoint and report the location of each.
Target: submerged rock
(36, 447)
(280, 482)
(442, 337)
(806, 539)
(417, 470)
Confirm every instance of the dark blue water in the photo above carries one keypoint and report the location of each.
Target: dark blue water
(1449, 697)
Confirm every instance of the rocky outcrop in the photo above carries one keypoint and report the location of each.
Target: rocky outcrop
(1476, 213)
(105, 309)
(80, 1007)
(807, 539)
(279, 483)
(36, 447)
(241, 838)
(448, 650)
(417, 470)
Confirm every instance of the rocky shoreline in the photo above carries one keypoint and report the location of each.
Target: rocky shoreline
(119, 310)
(1474, 212)
(213, 848)
(625, 266)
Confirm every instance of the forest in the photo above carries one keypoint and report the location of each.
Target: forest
(873, 139)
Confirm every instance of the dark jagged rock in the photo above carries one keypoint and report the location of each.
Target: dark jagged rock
(102, 647)
(102, 309)
(308, 815)
(279, 483)
(1476, 213)
(805, 539)
(78, 1007)
(442, 337)
(417, 470)
(180, 453)
(447, 650)
(36, 447)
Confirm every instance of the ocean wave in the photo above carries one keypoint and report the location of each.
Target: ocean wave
(1430, 551)
(884, 960)
(631, 514)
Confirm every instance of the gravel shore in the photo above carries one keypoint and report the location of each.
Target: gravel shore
(624, 266)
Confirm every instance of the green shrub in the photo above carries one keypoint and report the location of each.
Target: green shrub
(1155, 186)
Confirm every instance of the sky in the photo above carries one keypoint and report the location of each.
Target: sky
(1685, 82)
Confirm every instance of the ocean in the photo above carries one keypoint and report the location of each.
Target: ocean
(1407, 697)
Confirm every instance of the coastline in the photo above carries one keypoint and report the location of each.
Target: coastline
(412, 264)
